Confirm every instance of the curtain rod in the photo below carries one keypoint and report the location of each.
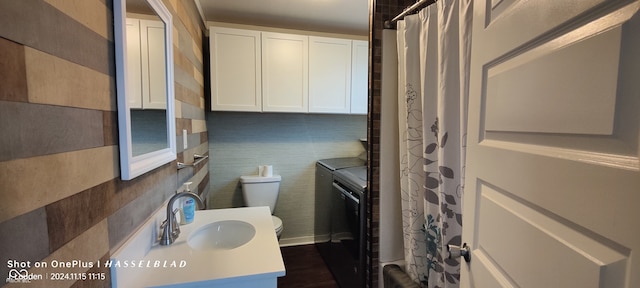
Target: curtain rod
(389, 24)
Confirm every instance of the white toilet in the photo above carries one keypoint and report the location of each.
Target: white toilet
(262, 191)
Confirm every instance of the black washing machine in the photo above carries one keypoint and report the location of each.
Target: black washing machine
(325, 169)
(340, 216)
(347, 249)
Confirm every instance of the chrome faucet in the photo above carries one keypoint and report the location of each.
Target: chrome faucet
(170, 227)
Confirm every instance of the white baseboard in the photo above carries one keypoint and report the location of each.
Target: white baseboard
(295, 241)
(322, 238)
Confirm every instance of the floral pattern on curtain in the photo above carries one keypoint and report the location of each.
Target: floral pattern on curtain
(411, 170)
(433, 48)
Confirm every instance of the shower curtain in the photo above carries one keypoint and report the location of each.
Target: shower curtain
(433, 65)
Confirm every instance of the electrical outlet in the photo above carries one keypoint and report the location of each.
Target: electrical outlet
(185, 145)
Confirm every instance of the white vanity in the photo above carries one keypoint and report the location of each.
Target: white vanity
(235, 247)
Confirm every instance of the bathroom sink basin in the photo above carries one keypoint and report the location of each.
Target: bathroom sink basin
(220, 246)
(222, 235)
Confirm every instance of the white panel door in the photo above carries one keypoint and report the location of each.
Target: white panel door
(236, 80)
(285, 72)
(360, 77)
(552, 188)
(329, 75)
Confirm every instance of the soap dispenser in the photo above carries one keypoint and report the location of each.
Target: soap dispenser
(188, 209)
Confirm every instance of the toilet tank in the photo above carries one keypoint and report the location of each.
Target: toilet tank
(260, 191)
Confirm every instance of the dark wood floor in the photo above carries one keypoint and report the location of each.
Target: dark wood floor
(305, 269)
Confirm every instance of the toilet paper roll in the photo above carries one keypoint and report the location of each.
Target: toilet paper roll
(267, 171)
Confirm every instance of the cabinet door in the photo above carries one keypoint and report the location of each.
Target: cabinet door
(134, 64)
(359, 77)
(285, 75)
(154, 75)
(236, 83)
(329, 75)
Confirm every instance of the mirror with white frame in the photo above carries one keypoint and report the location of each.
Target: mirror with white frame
(144, 83)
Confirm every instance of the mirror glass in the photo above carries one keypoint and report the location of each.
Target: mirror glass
(146, 88)
(144, 70)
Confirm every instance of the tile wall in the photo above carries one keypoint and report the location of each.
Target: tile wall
(61, 197)
(292, 143)
(382, 10)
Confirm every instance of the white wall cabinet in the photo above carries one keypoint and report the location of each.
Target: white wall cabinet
(329, 75)
(146, 78)
(360, 77)
(285, 59)
(236, 69)
(258, 71)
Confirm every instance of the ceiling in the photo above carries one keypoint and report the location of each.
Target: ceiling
(333, 16)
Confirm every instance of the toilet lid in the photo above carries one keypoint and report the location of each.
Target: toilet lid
(277, 223)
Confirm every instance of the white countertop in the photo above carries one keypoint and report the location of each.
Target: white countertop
(260, 258)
